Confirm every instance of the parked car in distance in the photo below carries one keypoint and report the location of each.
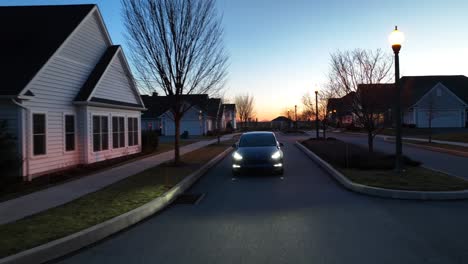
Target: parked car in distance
(258, 150)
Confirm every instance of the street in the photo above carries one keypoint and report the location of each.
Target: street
(306, 217)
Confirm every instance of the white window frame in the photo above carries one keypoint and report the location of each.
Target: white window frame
(31, 135)
(92, 132)
(124, 131)
(137, 131)
(75, 123)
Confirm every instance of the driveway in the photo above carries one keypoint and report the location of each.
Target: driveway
(306, 217)
(451, 164)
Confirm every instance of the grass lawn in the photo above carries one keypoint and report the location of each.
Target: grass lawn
(19, 188)
(414, 178)
(458, 137)
(437, 145)
(376, 169)
(102, 205)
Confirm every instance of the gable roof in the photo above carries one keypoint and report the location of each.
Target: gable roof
(229, 107)
(376, 97)
(415, 87)
(281, 119)
(30, 36)
(97, 73)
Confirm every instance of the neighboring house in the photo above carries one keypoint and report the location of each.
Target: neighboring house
(203, 116)
(228, 121)
(340, 110)
(67, 92)
(439, 100)
(281, 122)
(377, 101)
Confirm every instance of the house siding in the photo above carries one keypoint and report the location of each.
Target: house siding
(9, 114)
(88, 43)
(55, 88)
(115, 83)
(111, 152)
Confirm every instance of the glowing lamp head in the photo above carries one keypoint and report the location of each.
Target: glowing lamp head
(396, 38)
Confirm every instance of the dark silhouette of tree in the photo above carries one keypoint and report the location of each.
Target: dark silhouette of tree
(348, 70)
(177, 47)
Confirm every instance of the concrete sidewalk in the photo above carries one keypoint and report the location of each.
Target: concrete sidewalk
(39, 201)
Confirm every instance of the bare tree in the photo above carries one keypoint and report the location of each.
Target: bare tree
(348, 70)
(177, 47)
(245, 107)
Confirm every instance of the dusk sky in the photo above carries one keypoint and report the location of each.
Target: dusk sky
(280, 49)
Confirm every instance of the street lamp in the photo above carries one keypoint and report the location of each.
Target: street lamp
(200, 117)
(316, 115)
(295, 115)
(396, 39)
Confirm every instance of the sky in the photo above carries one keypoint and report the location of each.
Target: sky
(280, 49)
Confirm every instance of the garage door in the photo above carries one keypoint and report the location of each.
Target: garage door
(440, 119)
(192, 126)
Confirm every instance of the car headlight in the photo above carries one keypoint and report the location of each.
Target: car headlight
(276, 155)
(237, 156)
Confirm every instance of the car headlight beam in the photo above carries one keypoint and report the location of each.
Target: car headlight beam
(237, 156)
(276, 155)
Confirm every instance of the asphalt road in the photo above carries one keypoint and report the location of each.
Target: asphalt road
(451, 164)
(306, 217)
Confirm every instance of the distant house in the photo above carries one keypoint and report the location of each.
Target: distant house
(439, 100)
(204, 115)
(67, 93)
(281, 122)
(377, 100)
(228, 121)
(340, 110)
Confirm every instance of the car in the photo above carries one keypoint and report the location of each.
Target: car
(258, 150)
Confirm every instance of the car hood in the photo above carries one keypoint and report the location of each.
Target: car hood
(256, 152)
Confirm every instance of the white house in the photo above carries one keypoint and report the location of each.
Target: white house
(441, 101)
(228, 120)
(67, 92)
(204, 115)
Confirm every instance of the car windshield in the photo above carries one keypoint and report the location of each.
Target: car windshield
(257, 140)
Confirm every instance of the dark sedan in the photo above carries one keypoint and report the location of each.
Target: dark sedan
(258, 150)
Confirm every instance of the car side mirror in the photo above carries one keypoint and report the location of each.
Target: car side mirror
(234, 145)
(281, 144)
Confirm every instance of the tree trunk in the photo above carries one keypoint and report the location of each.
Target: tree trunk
(177, 139)
(370, 141)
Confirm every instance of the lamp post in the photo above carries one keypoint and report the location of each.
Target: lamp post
(295, 116)
(200, 117)
(316, 115)
(396, 39)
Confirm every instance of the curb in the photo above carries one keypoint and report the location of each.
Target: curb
(381, 192)
(76, 241)
(430, 148)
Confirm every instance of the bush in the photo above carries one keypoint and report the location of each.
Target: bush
(345, 155)
(10, 161)
(150, 140)
(185, 135)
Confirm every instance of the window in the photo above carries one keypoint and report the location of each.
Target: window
(39, 134)
(118, 132)
(100, 133)
(69, 132)
(132, 131)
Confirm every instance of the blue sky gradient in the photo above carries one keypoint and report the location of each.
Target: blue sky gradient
(280, 49)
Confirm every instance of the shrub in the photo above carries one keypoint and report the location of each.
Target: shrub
(185, 135)
(10, 161)
(150, 140)
(345, 155)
